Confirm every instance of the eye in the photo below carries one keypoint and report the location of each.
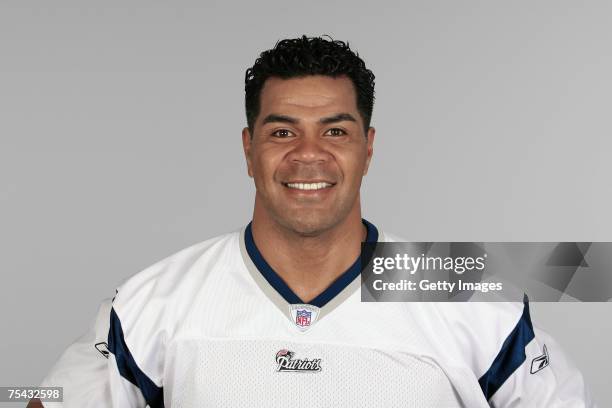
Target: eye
(281, 133)
(336, 132)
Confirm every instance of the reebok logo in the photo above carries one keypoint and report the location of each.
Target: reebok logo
(540, 362)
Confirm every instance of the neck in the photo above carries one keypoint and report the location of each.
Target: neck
(309, 264)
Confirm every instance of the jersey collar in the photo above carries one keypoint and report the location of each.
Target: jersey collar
(277, 283)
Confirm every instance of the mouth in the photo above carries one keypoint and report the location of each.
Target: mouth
(309, 186)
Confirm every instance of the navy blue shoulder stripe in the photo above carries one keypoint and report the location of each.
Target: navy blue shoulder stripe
(511, 355)
(128, 368)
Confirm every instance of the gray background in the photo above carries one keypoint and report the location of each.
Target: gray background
(120, 142)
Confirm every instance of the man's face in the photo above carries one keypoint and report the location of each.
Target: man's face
(308, 152)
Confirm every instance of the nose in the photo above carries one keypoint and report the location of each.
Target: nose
(309, 150)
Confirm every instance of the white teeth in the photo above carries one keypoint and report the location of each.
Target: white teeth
(308, 186)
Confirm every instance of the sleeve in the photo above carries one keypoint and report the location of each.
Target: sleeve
(531, 370)
(99, 371)
(130, 386)
(82, 368)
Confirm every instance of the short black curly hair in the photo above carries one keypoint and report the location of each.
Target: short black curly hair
(304, 56)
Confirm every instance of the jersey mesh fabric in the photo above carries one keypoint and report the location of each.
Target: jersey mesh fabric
(243, 373)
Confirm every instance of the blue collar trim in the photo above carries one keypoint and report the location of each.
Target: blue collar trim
(285, 291)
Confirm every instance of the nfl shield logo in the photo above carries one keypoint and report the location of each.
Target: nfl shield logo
(302, 317)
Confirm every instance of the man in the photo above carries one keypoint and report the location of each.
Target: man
(271, 315)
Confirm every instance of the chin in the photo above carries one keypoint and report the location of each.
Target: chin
(311, 224)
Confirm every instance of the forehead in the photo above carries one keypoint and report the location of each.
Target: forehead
(310, 95)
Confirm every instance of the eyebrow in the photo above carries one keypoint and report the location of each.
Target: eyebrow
(339, 117)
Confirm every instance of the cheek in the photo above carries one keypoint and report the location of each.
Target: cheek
(265, 165)
(352, 166)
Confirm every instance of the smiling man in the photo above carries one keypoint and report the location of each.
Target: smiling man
(271, 316)
(308, 150)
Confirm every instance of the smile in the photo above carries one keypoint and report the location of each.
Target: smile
(308, 186)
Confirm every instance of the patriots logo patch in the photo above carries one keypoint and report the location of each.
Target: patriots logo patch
(286, 362)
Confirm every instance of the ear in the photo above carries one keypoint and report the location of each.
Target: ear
(370, 147)
(247, 142)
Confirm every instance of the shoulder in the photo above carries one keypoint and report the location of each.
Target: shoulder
(488, 338)
(486, 317)
(148, 305)
(170, 277)
(175, 266)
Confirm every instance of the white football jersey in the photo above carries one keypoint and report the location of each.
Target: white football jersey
(215, 326)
